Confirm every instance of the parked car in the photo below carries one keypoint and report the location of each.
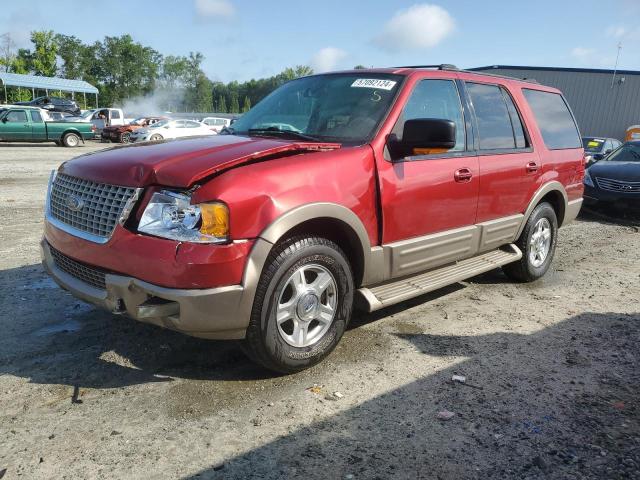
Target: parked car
(54, 104)
(102, 117)
(217, 123)
(596, 148)
(615, 179)
(632, 133)
(167, 129)
(388, 184)
(27, 124)
(121, 133)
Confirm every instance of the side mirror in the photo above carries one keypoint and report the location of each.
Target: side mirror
(423, 133)
(4, 120)
(607, 152)
(167, 127)
(597, 156)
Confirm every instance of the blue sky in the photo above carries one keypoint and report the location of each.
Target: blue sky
(244, 39)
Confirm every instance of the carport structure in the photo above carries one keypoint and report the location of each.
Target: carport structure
(47, 84)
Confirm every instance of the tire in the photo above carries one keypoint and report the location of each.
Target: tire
(71, 140)
(125, 137)
(155, 137)
(540, 235)
(308, 283)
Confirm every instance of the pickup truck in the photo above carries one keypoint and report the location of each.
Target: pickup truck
(102, 117)
(361, 189)
(28, 124)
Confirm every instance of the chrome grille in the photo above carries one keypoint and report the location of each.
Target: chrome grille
(618, 185)
(87, 206)
(90, 275)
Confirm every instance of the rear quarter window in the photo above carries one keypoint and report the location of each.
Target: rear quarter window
(556, 124)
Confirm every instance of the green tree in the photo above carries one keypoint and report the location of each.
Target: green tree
(44, 53)
(234, 106)
(246, 106)
(199, 98)
(127, 69)
(221, 105)
(359, 67)
(7, 52)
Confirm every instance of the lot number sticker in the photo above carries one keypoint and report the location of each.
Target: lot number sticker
(374, 83)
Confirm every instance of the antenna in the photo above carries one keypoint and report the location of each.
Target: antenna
(615, 68)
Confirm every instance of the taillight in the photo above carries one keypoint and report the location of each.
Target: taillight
(93, 128)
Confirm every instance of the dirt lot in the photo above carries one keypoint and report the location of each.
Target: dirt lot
(552, 375)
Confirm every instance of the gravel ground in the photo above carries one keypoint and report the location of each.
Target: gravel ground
(551, 375)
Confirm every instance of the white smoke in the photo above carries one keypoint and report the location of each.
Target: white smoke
(160, 102)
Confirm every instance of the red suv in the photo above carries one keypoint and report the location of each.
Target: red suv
(365, 188)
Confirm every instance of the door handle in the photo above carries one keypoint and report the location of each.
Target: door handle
(462, 175)
(532, 167)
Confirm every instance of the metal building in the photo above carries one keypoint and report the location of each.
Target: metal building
(605, 104)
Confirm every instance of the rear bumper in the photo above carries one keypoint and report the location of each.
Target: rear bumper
(219, 312)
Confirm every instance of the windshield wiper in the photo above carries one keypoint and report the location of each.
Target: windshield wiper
(272, 131)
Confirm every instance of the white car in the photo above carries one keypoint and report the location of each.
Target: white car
(217, 123)
(170, 129)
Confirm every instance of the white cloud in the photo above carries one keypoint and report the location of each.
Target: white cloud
(616, 31)
(591, 57)
(416, 28)
(582, 53)
(327, 59)
(214, 9)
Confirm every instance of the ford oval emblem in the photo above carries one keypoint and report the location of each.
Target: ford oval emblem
(74, 203)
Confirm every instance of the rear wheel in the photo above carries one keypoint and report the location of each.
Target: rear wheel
(302, 305)
(71, 140)
(538, 245)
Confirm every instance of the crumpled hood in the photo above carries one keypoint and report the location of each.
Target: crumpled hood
(182, 162)
(625, 171)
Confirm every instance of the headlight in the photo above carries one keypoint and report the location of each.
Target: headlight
(587, 179)
(171, 215)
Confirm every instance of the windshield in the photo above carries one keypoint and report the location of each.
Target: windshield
(88, 113)
(332, 107)
(629, 152)
(161, 123)
(593, 145)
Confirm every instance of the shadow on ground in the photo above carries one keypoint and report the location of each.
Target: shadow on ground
(52, 338)
(559, 403)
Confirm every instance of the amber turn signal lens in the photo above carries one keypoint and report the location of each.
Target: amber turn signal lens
(215, 219)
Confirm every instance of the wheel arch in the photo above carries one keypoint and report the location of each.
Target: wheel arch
(552, 192)
(332, 221)
(71, 130)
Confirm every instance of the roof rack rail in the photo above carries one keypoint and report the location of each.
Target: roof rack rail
(442, 66)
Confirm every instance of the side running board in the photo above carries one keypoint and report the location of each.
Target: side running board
(398, 290)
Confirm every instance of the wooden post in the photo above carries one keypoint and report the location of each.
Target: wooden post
(84, 94)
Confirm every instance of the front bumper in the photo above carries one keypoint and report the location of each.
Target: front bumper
(596, 196)
(208, 313)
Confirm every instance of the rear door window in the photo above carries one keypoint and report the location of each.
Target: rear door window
(115, 114)
(556, 124)
(516, 122)
(36, 117)
(495, 131)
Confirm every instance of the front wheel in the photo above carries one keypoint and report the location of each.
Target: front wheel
(71, 140)
(302, 305)
(156, 137)
(125, 137)
(538, 245)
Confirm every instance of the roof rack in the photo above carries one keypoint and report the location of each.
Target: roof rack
(442, 66)
(448, 66)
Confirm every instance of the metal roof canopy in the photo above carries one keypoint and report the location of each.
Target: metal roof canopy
(46, 83)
